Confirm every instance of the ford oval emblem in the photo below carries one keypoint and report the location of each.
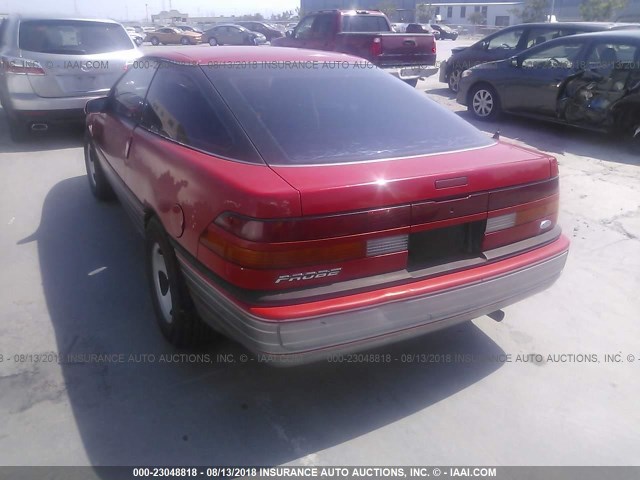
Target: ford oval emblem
(544, 224)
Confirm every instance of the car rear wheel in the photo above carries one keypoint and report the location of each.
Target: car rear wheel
(213, 42)
(139, 41)
(483, 102)
(155, 41)
(454, 80)
(98, 182)
(184, 41)
(17, 130)
(175, 313)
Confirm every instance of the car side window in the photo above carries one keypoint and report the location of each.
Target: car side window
(127, 97)
(538, 36)
(303, 30)
(561, 55)
(505, 41)
(612, 55)
(322, 27)
(178, 108)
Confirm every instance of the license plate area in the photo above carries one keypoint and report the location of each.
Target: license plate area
(449, 245)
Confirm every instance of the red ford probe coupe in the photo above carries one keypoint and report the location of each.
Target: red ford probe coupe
(306, 203)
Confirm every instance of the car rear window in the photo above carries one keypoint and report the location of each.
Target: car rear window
(334, 115)
(364, 23)
(73, 37)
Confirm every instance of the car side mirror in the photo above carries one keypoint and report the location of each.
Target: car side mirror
(514, 62)
(97, 105)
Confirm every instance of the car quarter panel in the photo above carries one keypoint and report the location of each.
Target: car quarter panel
(164, 174)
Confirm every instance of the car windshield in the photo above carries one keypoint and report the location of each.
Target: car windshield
(298, 114)
(73, 37)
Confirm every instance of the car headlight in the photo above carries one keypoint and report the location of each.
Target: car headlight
(466, 73)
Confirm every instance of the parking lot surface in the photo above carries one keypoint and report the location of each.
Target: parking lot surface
(555, 383)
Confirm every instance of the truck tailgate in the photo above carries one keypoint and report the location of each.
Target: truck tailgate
(397, 49)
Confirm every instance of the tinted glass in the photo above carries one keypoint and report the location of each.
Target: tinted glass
(182, 106)
(560, 55)
(129, 93)
(506, 41)
(364, 23)
(613, 55)
(334, 115)
(72, 37)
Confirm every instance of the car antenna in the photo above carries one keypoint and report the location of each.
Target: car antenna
(496, 136)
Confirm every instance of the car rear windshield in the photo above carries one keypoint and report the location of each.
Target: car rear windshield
(297, 114)
(72, 37)
(364, 23)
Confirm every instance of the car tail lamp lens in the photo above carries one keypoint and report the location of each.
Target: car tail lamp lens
(523, 212)
(314, 228)
(22, 66)
(287, 243)
(376, 47)
(282, 257)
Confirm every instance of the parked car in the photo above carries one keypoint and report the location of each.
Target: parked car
(588, 80)
(269, 31)
(52, 66)
(173, 35)
(366, 34)
(445, 31)
(511, 41)
(137, 38)
(407, 221)
(232, 35)
(421, 28)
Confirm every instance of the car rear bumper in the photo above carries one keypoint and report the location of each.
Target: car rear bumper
(412, 72)
(399, 312)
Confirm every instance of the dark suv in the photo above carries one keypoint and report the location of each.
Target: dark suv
(512, 40)
(268, 30)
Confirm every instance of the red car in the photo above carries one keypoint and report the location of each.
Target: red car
(305, 206)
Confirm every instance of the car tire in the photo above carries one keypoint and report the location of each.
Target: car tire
(98, 183)
(483, 102)
(184, 41)
(174, 309)
(454, 79)
(17, 130)
(213, 42)
(155, 41)
(139, 41)
(412, 82)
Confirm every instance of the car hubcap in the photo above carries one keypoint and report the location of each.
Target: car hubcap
(161, 283)
(454, 80)
(482, 103)
(212, 42)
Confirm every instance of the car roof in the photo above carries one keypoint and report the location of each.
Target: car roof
(27, 17)
(195, 55)
(612, 34)
(579, 25)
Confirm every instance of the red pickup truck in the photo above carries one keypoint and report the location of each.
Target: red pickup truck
(367, 34)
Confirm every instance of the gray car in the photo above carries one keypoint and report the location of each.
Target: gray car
(232, 35)
(51, 67)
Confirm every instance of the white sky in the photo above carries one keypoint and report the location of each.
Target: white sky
(135, 9)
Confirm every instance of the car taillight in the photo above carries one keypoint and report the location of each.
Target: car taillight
(520, 213)
(22, 66)
(287, 243)
(376, 47)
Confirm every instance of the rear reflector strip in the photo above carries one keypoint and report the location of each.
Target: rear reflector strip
(382, 246)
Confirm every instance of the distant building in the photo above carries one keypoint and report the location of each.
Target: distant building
(405, 10)
(494, 14)
(171, 16)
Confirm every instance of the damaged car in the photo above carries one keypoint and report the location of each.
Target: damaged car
(590, 81)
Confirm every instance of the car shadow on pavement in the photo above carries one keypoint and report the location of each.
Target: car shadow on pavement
(56, 138)
(443, 92)
(191, 410)
(559, 139)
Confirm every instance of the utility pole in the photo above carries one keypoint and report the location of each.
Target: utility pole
(146, 12)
